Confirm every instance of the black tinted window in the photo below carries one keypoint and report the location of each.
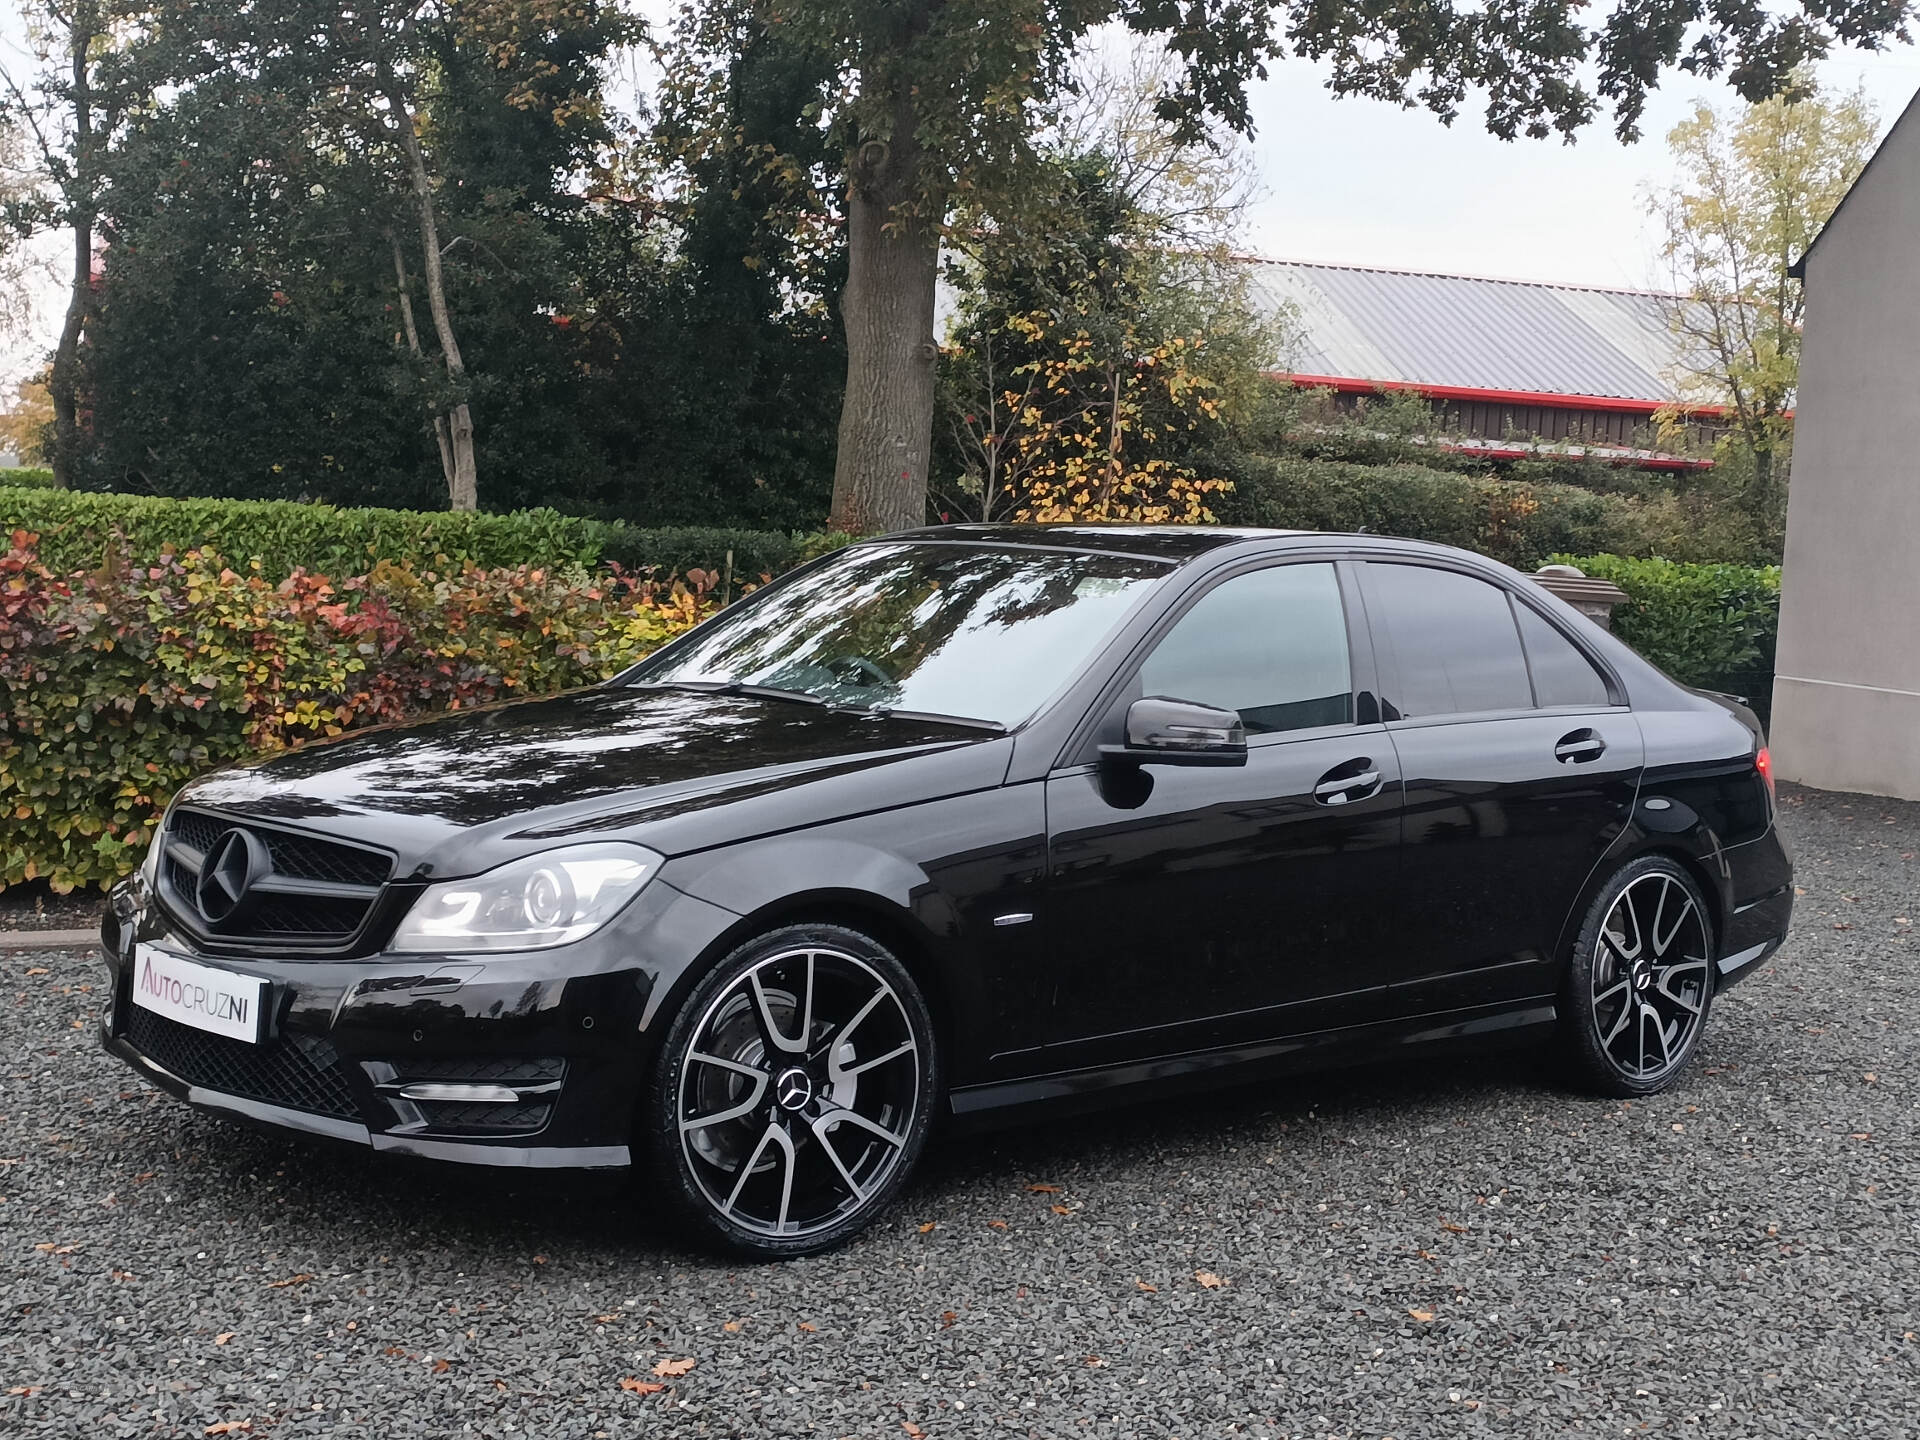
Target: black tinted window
(1271, 644)
(1561, 674)
(1454, 642)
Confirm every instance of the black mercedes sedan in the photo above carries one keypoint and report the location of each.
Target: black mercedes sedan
(969, 820)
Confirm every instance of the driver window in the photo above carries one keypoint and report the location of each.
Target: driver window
(1271, 644)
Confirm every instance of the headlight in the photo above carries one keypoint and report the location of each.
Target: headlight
(531, 904)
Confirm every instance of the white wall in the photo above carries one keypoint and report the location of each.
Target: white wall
(1846, 696)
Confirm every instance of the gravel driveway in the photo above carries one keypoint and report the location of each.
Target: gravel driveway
(1458, 1251)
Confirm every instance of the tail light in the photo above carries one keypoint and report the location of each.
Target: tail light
(1763, 762)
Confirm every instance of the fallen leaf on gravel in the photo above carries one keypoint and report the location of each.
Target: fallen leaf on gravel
(230, 1427)
(996, 1224)
(223, 1337)
(498, 1384)
(947, 1317)
(927, 1228)
(23, 1390)
(1095, 1362)
(1861, 1135)
(442, 1365)
(1208, 1280)
(1871, 1078)
(49, 1248)
(1143, 1285)
(606, 1319)
(38, 970)
(808, 1326)
(1451, 1228)
(302, 1278)
(641, 1387)
(674, 1369)
(1678, 1126)
(732, 1327)
(914, 1432)
(1423, 1316)
(1060, 1209)
(1044, 1189)
(539, 1259)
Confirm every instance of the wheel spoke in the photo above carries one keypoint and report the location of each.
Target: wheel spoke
(856, 1119)
(746, 1167)
(1627, 1012)
(737, 1066)
(745, 1107)
(820, 1128)
(846, 1030)
(1664, 985)
(1603, 996)
(1662, 944)
(1647, 1012)
(842, 1072)
(774, 1035)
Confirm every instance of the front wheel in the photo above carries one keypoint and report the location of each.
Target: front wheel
(1641, 982)
(793, 1093)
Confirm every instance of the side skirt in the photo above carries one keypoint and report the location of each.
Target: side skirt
(1505, 1026)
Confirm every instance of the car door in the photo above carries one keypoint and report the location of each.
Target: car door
(1197, 907)
(1520, 771)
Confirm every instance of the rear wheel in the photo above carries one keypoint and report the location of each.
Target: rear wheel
(1641, 983)
(794, 1092)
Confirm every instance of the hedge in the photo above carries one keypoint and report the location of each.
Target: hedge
(121, 682)
(76, 529)
(1518, 523)
(1708, 625)
(27, 477)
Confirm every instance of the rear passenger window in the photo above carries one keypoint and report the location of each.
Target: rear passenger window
(1454, 642)
(1561, 674)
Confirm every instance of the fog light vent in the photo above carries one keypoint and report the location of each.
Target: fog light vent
(463, 1094)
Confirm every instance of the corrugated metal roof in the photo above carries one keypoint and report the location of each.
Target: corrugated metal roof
(1400, 326)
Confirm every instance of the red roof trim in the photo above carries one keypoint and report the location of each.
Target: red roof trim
(1348, 385)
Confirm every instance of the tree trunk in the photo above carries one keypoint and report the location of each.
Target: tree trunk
(893, 258)
(463, 489)
(63, 382)
(440, 430)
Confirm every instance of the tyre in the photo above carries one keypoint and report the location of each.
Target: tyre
(1641, 982)
(793, 1093)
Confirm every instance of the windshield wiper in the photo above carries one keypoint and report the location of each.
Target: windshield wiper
(935, 717)
(735, 687)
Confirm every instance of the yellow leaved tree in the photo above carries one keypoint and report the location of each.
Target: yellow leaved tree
(1089, 437)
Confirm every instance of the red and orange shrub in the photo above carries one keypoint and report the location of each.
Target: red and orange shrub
(119, 684)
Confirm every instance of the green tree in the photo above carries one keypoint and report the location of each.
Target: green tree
(272, 307)
(934, 103)
(68, 111)
(1754, 188)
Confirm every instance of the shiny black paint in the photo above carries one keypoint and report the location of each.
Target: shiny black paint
(1188, 926)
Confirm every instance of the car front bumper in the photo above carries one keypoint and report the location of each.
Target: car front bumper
(532, 1059)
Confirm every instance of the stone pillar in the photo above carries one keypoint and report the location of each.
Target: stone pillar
(1594, 599)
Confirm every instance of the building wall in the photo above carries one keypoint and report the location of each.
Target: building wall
(1846, 698)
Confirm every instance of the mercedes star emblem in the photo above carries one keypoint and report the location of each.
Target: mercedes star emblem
(236, 863)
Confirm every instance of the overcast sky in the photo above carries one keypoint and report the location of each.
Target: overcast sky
(1359, 182)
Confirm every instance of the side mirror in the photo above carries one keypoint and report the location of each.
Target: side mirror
(1164, 731)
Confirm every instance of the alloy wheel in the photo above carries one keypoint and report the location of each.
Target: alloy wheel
(1651, 975)
(798, 1092)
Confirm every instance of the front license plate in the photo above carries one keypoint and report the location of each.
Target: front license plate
(198, 995)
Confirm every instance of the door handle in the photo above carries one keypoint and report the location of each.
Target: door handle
(1578, 747)
(1342, 790)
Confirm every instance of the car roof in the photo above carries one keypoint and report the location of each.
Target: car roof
(1175, 544)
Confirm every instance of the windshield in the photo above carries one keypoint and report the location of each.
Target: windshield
(937, 628)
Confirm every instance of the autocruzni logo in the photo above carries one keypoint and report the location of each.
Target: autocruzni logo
(219, 1004)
